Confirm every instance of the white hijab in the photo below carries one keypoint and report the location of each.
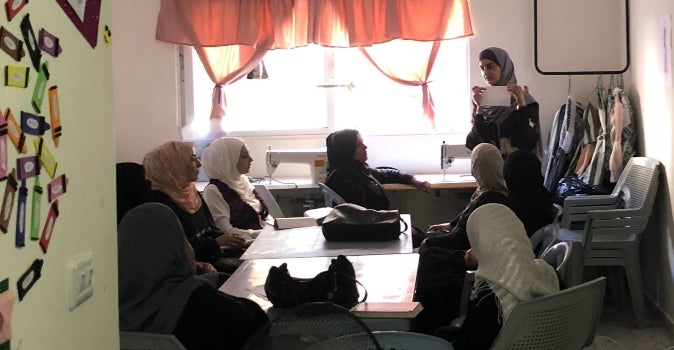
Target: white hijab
(219, 160)
(506, 261)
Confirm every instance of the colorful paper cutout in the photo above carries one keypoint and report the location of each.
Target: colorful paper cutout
(15, 133)
(20, 232)
(55, 115)
(12, 45)
(56, 187)
(49, 226)
(28, 279)
(3, 146)
(107, 35)
(32, 124)
(85, 15)
(35, 210)
(12, 8)
(6, 304)
(8, 202)
(17, 76)
(40, 87)
(49, 43)
(46, 157)
(27, 167)
(31, 42)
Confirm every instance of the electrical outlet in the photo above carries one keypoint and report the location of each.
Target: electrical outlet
(80, 279)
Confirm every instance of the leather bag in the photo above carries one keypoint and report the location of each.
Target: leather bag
(351, 222)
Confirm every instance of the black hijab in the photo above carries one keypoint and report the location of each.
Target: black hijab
(155, 279)
(341, 147)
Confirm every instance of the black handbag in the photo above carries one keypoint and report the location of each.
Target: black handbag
(337, 285)
(351, 222)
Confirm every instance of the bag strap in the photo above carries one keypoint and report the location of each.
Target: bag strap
(334, 276)
(404, 222)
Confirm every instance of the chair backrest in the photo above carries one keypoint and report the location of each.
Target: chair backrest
(148, 341)
(269, 200)
(560, 321)
(638, 183)
(557, 256)
(544, 238)
(331, 197)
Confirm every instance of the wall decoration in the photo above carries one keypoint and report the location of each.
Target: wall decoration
(35, 210)
(46, 157)
(20, 232)
(27, 167)
(55, 115)
(8, 201)
(6, 304)
(56, 187)
(32, 124)
(15, 133)
(12, 7)
(31, 42)
(85, 16)
(107, 35)
(49, 43)
(49, 226)
(3, 147)
(12, 45)
(40, 87)
(28, 279)
(17, 76)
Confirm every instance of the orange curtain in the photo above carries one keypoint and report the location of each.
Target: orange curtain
(277, 24)
(232, 36)
(225, 65)
(408, 63)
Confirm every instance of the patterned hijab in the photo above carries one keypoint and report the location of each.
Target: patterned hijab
(506, 262)
(155, 278)
(167, 167)
(486, 166)
(497, 114)
(219, 160)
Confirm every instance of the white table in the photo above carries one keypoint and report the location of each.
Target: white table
(307, 242)
(387, 278)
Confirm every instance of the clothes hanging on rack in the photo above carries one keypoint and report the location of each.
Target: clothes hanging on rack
(565, 133)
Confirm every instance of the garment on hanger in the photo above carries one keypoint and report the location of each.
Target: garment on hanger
(565, 134)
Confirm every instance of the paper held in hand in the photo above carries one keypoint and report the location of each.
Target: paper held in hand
(495, 96)
(408, 309)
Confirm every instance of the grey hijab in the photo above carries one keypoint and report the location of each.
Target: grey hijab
(497, 114)
(155, 280)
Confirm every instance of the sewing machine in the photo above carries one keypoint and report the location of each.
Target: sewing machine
(317, 159)
(450, 152)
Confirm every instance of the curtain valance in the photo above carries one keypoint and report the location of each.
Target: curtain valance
(276, 24)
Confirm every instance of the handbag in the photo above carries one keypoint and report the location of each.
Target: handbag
(337, 284)
(351, 222)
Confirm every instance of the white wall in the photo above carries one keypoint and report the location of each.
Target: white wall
(86, 221)
(153, 106)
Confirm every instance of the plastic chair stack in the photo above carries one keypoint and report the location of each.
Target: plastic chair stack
(331, 197)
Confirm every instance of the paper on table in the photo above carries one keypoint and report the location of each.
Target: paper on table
(495, 96)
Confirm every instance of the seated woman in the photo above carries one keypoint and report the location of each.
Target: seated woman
(232, 200)
(487, 168)
(352, 178)
(172, 169)
(160, 293)
(507, 274)
(529, 199)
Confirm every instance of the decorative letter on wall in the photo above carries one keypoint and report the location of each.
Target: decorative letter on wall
(85, 15)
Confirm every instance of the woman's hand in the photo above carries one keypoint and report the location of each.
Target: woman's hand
(204, 267)
(471, 259)
(477, 97)
(440, 227)
(421, 185)
(231, 239)
(518, 94)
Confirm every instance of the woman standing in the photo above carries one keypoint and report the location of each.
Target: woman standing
(511, 127)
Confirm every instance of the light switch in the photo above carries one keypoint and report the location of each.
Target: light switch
(80, 283)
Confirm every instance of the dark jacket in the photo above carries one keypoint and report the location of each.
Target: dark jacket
(521, 129)
(362, 185)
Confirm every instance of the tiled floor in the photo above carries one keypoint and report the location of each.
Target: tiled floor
(617, 331)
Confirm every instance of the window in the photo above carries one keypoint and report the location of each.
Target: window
(315, 90)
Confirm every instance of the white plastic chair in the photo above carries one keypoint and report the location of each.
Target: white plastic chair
(269, 200)
(331, 197)
(613, 226)
(560, 321)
